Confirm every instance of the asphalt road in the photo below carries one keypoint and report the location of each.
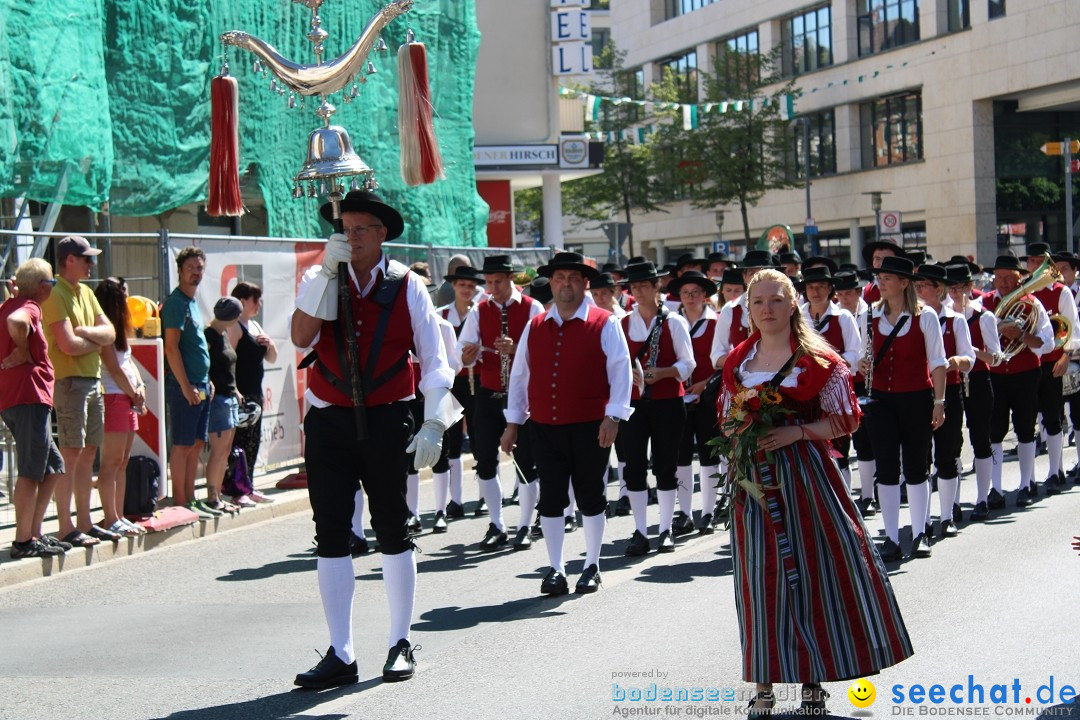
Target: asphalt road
(216, 629)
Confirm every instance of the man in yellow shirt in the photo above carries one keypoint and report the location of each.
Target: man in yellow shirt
(76, 330)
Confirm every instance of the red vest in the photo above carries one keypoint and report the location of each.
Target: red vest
(490, 327)
(948, 337)
(871, 293)
(668, 387)
(977, 342)
(396, 344)
(568, 380)
(702, 348)
(832, 332)
(1024, 361)
(1049, 299)
(737, 334)
(904, 367)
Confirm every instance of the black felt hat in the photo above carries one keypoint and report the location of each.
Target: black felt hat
(465, 272)
(540, 290)
(848, 280)
(961, 260)
(368, 202)
(732, 276)
(1008, 262)
(818, 273)
(497, 264)
(933, 273)
(896, 266)
(604, 280)
(1069, 258)
(958, 274)
(688, 259)
(692, 277)
(818, 260)
(869, 248)
(568, 261)
(1037, 249)
(790, 257)
(637, 272)
(757, 259)
(719, 256)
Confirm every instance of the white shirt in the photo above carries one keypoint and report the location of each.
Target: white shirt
(988, 327)
(618, 368)
(449, 338)
(453, 317)
(721, 344)
(1066, 307)
(961, 333)
(680, 339)
(707, 315)
(852, 350)
(931, 332)
(427, 338)
(470, 334)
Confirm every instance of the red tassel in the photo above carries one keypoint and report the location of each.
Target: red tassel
(224, 196)
(421, 161)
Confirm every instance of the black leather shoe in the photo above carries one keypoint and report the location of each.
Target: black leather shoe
(866, 507)
(454, 510)
(622, 506)
(948, 528)
(682, 524)
(995, 500)
(665, 543)
(554, 583)
(481, 508)
(358, 546)
(493, 539)
(413, 525)
(813, 699)
(979, 512)
(569, 524)
(400, 662)
(718, 511)
(761, 706)
(522, 541)
(920, 546)
(1023, 497)
(537, 531)
(331, 671)
(706, 525)
(589, 582)
(1052, 486)
(439, 526)
(889, 551)
(1074, 473)
(957, 514)
(639, 545)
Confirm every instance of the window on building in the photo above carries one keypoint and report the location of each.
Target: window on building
(684, 69)
(600, 38)
(822, 145)
(632, 85)
(807, 41)
(959, 14)
(997, 9)
(675, 8)
(600, 5)
(885, 24)
(737, 61)
(891, 130)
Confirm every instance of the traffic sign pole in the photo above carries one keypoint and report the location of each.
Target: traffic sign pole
(1070, 240)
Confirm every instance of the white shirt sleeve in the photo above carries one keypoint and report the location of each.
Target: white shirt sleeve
(853, 350)
(427, 337)
(470, 333)
(684, 350)
(964, 350)
(1043, 329)
(517, 400)
(932, 340)
(450, 343)
(1067, 308)
(989, 328)
(536, 308)
(721, 342)
(617, 351)
(305, 282)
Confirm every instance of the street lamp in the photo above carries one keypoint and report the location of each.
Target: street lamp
(720, 225)
(875, 205)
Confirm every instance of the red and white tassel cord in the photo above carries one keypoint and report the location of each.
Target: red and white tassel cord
(224, 196)
(421, 162)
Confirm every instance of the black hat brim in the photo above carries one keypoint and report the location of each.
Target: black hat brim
(890, 271)
(390, 217)
(478, 279)
(869, 248)
(587, 270)
(705, 284)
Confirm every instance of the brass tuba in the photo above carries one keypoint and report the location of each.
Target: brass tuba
(1019, 311)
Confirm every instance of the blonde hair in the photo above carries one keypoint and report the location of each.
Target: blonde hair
(911, 304)
(31, 274)
(807, 340)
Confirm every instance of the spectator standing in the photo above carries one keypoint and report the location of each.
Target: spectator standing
(253, 347)
(187, 389)
(26, 395)
(76, 330)
(125, 400)
(225, 405)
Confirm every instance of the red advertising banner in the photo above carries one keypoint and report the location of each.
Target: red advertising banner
(500, 226)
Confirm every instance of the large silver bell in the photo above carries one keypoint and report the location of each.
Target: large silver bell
(330, 155)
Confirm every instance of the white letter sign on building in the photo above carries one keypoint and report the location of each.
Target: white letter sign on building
(571, 35)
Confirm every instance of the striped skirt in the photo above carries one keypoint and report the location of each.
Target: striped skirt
(814, 601)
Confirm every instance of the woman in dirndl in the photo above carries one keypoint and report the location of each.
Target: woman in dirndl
(814, 600)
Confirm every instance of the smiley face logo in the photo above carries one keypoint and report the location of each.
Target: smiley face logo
(862, 693)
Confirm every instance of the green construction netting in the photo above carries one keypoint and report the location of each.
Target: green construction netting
(117, 93)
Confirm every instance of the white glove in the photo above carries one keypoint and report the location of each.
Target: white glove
(427, 444)
(337, 251)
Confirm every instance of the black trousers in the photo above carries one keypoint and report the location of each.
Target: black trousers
(1018, 394)
(978, 408)
(490, 423)
(452, 440)
(900, 425)
(337, 464)
(864, 449)
(949, 438)
(698, 429)
(660, 421)
(1051, 401)
(570, 454)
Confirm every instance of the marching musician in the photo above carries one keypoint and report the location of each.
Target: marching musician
(907, 384)
(1015, 379)
(874, 254)
(733, 325)
(848, 287)
(493, 327)
(717, 264)
(602, 289)
(1068, 263)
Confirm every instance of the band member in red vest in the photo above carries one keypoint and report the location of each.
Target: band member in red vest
(848, 286)
(931, 289)
(1057, 299)
(571, 376)
(838, 328)
(979, 396)
(717, 264)
(392, 313)
(447, 473)
(732, 286)
(1068, 264)
(1015, 382)
(694, 290)
(733, 325)
(907, 384)
(663, 359)
(493, 328)
(873, 254)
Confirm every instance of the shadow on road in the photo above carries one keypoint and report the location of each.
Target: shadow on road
(454, 617)
(282, 706)
(283, 567)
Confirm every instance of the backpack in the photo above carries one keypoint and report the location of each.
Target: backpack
(237, 478)
(142, 483)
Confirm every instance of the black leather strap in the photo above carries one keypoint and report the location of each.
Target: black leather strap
(889, 340)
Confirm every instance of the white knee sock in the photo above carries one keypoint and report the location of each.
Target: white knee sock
(867, 470)
(639, 501)
(918, 497)
(441, 481)
(569, 511)
(889, 496)
(1054, 446)
(594, 537)
(685, 476)
(708, 492)
(336, 585)
(527, 493)
(997, 455)
(554, 534)
(984, 470)
(399, 576)
(491, 491)
(666, 500)
(947, 496)
(455, 480)
(358, 515)
(1025, 453)
(412, 493)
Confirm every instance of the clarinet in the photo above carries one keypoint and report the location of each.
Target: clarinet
(504, 358)
(654, 345)
(864, 401)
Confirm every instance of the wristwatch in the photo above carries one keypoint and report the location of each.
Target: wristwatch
(613, 419)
